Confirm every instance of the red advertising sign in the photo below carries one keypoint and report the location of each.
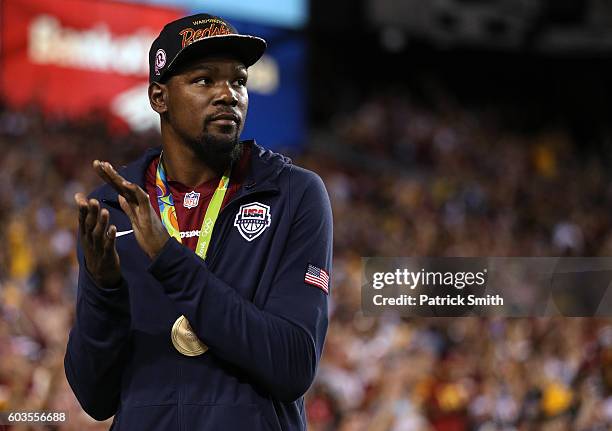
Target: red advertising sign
(75, 56)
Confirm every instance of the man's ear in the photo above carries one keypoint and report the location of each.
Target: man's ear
(158, 97)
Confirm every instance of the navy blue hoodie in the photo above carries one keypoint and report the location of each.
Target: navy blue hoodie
(248, 302)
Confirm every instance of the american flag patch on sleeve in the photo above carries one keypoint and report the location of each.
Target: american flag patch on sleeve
(318, 277)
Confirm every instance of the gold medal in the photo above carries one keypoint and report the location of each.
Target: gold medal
(185, 340)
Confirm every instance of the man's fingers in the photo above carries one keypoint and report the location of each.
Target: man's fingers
(81, 202)
(125, 206)
(141, 196)
(130, 191)
(79, 198)
(112, 178)
(109, 240)
(92, 217)
(106, 171)
(135, 192)
(99, 231)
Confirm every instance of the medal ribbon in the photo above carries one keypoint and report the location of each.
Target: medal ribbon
(168, 212)
(182, 334)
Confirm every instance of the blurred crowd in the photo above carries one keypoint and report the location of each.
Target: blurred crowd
(450, 181)
(404, 180)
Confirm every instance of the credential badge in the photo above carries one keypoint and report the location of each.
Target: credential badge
(252, 219)
(191, 199)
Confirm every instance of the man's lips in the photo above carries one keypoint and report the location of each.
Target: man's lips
(225, 119)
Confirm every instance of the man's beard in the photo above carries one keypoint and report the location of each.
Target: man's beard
(217, 152)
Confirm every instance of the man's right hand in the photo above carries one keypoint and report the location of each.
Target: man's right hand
(98, 242)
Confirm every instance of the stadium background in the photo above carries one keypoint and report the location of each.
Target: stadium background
(441, 128)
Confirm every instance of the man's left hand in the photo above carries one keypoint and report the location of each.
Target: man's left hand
(148, 228)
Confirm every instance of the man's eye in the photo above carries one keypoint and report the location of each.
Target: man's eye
(203, 81)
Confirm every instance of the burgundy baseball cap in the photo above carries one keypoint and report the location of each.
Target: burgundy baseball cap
(198, 36)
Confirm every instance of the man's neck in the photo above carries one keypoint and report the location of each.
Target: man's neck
(182, 165)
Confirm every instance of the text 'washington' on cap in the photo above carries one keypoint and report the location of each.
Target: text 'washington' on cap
(200, 35)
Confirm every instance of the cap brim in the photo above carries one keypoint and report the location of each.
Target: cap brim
(247, 49)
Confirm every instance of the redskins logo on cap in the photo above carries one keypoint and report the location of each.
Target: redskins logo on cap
(213, 27)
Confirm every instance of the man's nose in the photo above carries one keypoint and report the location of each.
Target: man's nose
(226, 95)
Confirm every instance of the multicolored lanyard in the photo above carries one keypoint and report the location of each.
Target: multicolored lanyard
(168, 212)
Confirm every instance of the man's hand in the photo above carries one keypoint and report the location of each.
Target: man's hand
(98, 242)
(148, 228)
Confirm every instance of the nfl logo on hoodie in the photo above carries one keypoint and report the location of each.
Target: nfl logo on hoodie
(191, 199)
